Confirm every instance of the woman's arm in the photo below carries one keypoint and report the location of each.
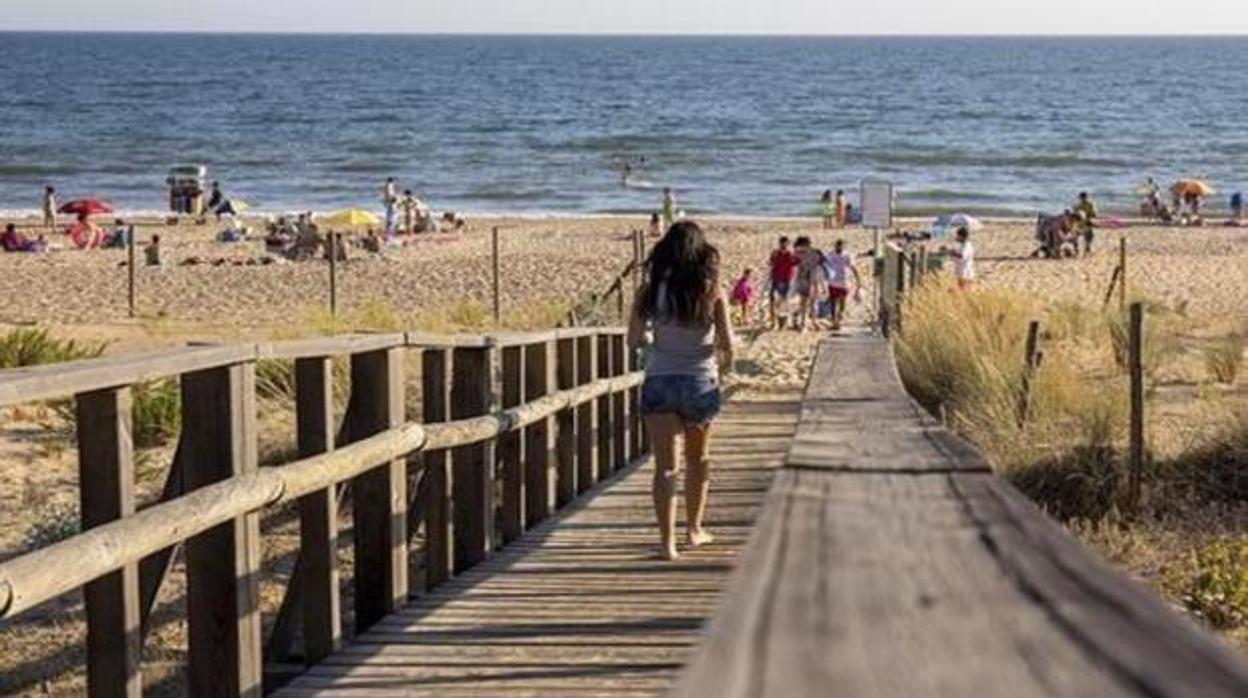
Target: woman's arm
(724, 341)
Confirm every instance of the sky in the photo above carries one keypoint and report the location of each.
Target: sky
(635, 16)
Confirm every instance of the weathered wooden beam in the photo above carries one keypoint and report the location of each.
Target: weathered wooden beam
(565, 435)
(472, 395)
(510, 465)
(587, 452)
(606, 413)
(106, 489)
(318, 512)
(439, 507)
(222, 563)
(620, 417)
(538, 441)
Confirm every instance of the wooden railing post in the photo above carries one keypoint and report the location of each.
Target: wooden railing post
(473, 486)
(587, 453)
(223, 563)
(106, 488)
(378, 497)
(439, 507)
(636, 424)
(606, 433)
(1135, 366)
(537, 437)
(318, 512)
(566, 441)
(509, 448)
(619, 408)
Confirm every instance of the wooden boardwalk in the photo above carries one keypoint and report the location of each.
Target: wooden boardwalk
(578, 605)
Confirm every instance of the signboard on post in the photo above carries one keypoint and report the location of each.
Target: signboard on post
(876, 197)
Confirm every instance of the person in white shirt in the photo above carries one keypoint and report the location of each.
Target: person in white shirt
(839, 265)
(390, 200)
(964, 259)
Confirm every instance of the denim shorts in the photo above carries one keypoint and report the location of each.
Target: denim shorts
(695, 399)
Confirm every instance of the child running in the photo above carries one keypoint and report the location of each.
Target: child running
(838, 266)
(744, 293)
(783, 268)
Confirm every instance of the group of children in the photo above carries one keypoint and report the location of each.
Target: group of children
(801, 272)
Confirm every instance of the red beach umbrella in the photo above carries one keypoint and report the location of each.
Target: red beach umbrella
(87, 207)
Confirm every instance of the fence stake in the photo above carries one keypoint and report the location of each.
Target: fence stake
(587, 453)
(472, 395)
(1122, 274)
(498, 299)
(130, 271)
(439, 526)
(333, 273)
(1136, 368)
(538, 442)
(1031, 361)
(510, 463)
(566, 440)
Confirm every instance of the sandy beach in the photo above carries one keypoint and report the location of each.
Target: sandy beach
(443, 280)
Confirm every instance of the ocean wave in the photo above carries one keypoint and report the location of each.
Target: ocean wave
(34, 170)
(1032, 161)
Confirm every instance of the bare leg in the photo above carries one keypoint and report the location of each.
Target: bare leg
(697, 482)
(663, 429)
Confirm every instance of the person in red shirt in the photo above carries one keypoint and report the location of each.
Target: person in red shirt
(783, 269)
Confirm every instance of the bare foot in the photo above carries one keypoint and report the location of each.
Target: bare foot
(668, 552)
(699, 538)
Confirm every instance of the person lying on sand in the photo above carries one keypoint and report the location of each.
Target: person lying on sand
(13, 241)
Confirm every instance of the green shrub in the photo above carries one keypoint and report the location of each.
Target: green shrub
(31, 347)
(1213, 582)
(1223, 358)
(156, 413)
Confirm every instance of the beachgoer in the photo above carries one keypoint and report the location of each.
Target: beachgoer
(827, 209)
(783, 269)
(408, 203)
(852, 215)
(151, 253)
(390, 199)
(1237, 207)
(684, 306)
(120, 236)
(809, 281)
(49, 207)
(452, 220)
(656, 226)
(1085, 220)
(842, 210)
(963, 259)
(838, 267)
(216, 199)
(669, 208)
(743, 295)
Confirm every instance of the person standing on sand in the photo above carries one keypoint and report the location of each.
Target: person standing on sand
(390, 199)
(1237, 208)
(669, 208)
(827, 209)
(684, 306)
(809, 281)
(963, 259)
(838, 266)
(409, 203)
(49, 207)
(841, 207)
(656, 226)
(1085, 219)
(783, 268)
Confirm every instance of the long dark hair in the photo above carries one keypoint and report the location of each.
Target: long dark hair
(685, 267)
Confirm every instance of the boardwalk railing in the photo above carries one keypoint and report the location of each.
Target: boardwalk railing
(512, 428)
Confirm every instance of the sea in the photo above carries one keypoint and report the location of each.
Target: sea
(542, 125)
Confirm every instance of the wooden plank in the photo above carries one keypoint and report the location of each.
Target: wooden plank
(58, 380)
(620, 437)
(439, 507)
(587, 452)
(510, 464)
(473, 489)
(378, 496)
(606, 416)
(106, 489)
(223, 563)
(565, 435)
(538, 437)
(318, 347)
(318, 512)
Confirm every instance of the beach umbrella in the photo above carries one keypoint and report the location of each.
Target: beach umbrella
(1193, 187)
(958, 220)
(351, 218)
(86, 207)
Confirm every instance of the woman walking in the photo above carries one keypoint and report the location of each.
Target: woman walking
(683, 305)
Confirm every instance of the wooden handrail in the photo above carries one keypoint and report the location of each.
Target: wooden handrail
(40, 575)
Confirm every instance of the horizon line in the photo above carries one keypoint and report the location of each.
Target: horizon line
(639, 35)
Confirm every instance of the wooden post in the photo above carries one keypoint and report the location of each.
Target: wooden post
(318, 512)
(509, 448)
(498, 297)
(587, 453)
(1122, 273)
(1031, 361)
(333, 273)
(619, 408)
(473, 489)
(1136, 369)
(106, 489)
(638, 259)
(537, 437)
(223, 563)
(131, 272)
(439, 507)
(378, 496)
(566, 441)
(636, 423)
(606, 433)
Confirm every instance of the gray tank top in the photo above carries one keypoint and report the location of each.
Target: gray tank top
(680, 349)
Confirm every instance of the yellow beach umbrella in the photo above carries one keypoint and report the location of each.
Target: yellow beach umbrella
(351, 218)
(1193, 187)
